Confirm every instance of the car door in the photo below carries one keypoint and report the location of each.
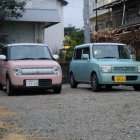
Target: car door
(85, 64)
(76, 64)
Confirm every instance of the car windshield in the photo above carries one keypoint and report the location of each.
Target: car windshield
(23, 52)
(110, 51)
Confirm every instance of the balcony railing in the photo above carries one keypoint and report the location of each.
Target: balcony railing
(99, 4)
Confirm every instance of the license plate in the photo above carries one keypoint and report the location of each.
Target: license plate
(120, 78)
(31, 83)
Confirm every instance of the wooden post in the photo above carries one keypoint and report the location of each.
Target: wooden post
(123, 12)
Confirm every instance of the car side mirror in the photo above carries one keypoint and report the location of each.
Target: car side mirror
(85, 56)
(2, 57)
(55, 56)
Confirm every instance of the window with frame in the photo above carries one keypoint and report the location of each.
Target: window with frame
(86, 51)
(78, 53)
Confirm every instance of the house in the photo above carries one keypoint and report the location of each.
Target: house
(121, 15)
(113, 13)
(98, 19)
(35, 24)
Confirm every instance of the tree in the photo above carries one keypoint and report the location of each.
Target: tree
(73, 37)
(11, 9)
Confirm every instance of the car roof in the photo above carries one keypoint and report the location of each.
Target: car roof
(18, 44)
(104, 43)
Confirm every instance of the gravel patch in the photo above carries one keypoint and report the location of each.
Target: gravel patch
(76, 114)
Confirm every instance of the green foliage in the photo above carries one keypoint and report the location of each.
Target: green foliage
(73, 37)
(62, 56)
(11, 9)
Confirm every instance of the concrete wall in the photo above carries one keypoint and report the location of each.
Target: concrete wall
(54, 35)
(42, 4)
(19, 32)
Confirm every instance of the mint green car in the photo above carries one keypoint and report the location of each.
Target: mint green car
(104, 64)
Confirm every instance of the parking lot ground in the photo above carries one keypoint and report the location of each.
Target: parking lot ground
(75, 114)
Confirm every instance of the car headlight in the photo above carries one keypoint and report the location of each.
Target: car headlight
(17, 71)
(56, 70)
(138, 68)
(106, 68)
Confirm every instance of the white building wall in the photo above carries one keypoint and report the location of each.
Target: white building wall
(54, 35)
(41, 4)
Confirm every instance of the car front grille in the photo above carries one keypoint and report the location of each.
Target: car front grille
(45, 82)
(124, 69)
(37, 71)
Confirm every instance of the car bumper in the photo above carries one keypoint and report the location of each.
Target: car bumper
(44, 81)
(37, 87)
(109, 78)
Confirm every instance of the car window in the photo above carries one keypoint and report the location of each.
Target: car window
(123, 52)
(110, 51)
(77, 54)
(29, 52)
(86, 51)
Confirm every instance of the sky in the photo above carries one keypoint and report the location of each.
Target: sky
(73, 13)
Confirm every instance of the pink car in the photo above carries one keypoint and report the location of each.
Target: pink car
(30, 66)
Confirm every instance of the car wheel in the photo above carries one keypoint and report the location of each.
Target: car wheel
(9, 88)
(94, 82)
(73, 83)
(136, 87)
(57, 90)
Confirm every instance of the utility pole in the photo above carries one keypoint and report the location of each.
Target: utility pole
(86, 22)
(96, 26)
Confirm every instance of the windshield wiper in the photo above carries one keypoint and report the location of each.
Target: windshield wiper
(109, 57)
(25, 59)
(43, 58)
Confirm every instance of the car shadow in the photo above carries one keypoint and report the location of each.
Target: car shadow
(114, 89)
(33, 92)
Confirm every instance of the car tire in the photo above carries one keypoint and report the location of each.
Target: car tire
(9, 87)
(136, 87)
(57, 90)
(94, 83)
(73, 83)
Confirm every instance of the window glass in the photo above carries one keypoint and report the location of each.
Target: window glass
(78, 53)
(123, 52)
(29, 52)
(86, 51)
(111, 51)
